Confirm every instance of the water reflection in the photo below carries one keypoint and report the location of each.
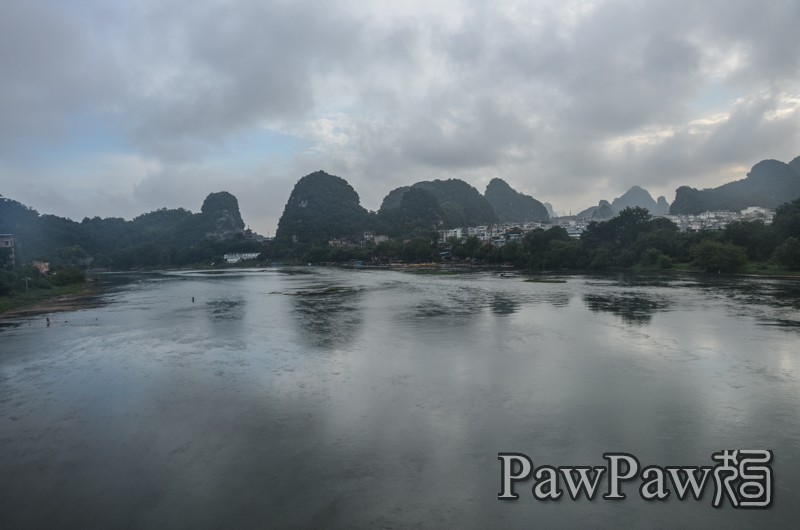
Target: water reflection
(218, 412)
(291, 271)
(327, 316)
(448, 299)
(463, 298)
(788, 296)
(555, 298)
(633, 308)
(773, 302)
(4, 325)
(226, 309)
(503, 304)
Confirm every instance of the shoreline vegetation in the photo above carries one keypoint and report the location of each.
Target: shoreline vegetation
(45, 301)
(633, 240)
(27, 292)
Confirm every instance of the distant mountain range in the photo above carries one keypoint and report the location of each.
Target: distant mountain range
(322, 207)
(511, 206)
(634, 197)
(115, 241)
(768, 184)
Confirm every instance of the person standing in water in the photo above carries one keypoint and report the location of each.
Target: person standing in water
(48, 322)
(193, 299)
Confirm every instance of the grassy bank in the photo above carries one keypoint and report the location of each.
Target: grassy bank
(18, 301)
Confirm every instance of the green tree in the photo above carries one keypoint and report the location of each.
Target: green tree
(653, 257)
(786, 222)
(68, 276)
(510, 252)
(419, 250)
(714, 256)
(757, 238)
(788, 253)
(561, 253)
(5, 257)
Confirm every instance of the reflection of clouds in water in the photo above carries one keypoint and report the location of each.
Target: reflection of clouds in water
(633, 308)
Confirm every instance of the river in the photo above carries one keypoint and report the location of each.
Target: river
(326, 398)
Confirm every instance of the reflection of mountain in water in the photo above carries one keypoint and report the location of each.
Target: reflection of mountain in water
(448, 301)
(470, 300)
(226, 309)
(633, 308)
(504, 305)
(780, 293)
(555, 298)
(329, 316)
(773, 302)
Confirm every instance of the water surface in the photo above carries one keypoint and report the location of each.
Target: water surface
(376, 399)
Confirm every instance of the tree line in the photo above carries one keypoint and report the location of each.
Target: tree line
(632, 240)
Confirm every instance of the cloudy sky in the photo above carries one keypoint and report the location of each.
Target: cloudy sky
(117, 107)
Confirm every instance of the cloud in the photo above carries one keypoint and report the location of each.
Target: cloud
(99, 185)
(50, 69)
(570, 101)
(229, 67)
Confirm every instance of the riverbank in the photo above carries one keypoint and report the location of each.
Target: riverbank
(753, 269)
(41, 301)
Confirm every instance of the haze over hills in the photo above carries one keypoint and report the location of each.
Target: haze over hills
(322, 207)
(512, 206)
(603, 211)
(120, 243)
(637, 196)
(634, 197)
(768, 184)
